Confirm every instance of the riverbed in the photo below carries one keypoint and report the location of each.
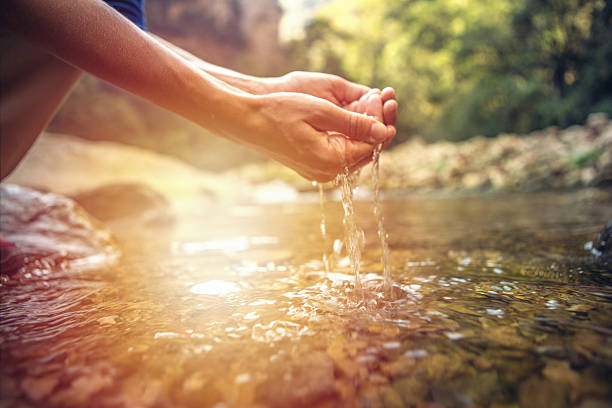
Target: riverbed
(498, 301)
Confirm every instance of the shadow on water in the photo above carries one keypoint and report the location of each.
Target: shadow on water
(497, 303)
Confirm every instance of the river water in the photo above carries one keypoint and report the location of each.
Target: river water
(496, 303)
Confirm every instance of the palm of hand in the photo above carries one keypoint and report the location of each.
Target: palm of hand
(311, 148)
(354, 97)
(309, 135)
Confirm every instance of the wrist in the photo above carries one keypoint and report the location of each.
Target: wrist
(270, 85)
(231, 114)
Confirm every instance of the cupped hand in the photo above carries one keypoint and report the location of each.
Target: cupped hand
(313, 136)
(333, 88)
(369, 101)
(337, 90)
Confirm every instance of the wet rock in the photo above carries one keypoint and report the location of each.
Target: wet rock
(310, 381)
(398, 368)
(506, 336)
(441, 366)
(412, 389)
(370, 397)
(126, 200)
(462, 309)
(391, 398)
(89, 381)
(50, 231)
(580, 307)
(603, 244)
(343, 362)
(447, 396)
(537, 393)
(560, 372)
(482, 363)
(482, 388)
(37, 389)
(595, 403)
(557, 352)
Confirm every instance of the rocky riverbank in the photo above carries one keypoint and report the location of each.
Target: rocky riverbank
(553, 158)
(42, 232)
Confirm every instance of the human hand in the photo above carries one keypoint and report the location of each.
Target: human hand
(381, 105)
(337, 90)
(313, 136)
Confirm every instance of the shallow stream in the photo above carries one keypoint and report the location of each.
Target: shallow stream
(497, 303)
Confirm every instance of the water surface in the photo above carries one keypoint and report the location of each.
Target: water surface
(497, 303)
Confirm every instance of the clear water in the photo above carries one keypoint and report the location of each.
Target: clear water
(323, 227)
(354, 237)
(380, 222)
(497, 303)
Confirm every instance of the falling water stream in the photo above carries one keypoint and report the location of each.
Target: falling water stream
(380, 220)
(235, 310)
(323, 228)
(353, 235)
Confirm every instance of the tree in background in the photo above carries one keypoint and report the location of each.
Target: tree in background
(471, 67)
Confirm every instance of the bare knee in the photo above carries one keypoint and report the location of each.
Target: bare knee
(34, 84)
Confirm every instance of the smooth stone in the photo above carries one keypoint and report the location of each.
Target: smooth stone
(126, 200)
(537, 393)
(50, 232)
(310, 381)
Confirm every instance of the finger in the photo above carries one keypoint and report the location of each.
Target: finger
(386, 144)
(360, 106)
(366, 159)
(374, 107)
(390, 112)
(353, 125)
(353, 106)
(387, 94)
(357, 154)
(350, 91)
(392, 131)
(360, 164)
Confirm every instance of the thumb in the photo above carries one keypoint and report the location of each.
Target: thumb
(349, 92)
(353, 125)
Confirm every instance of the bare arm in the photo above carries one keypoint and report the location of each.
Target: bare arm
(335, 89)
(92, 36)
(308, 134)
(248, 83)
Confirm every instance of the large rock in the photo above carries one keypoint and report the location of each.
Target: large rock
(131, 201)
(302, 385)
(69, 166)
(45, 231)
(603, 243)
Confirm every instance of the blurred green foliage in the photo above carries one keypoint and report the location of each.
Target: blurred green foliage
(462, 68)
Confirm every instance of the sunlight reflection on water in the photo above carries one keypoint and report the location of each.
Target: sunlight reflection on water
(237, 311)
(215, 287)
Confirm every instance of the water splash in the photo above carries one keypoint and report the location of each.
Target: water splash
(380, 219)
(353, 236)
(323, 226)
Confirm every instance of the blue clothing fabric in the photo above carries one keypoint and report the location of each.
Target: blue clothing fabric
(133, 10)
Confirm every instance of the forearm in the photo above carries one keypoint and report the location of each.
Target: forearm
(252, 84)
(93, 37)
